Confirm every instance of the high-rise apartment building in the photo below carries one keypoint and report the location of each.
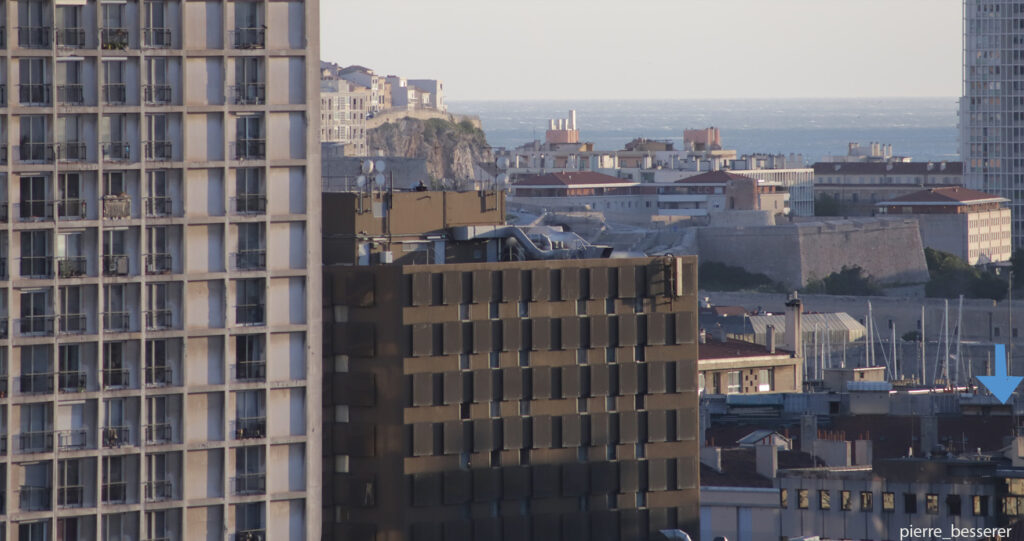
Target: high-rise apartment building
(992, 106)
(159, 185)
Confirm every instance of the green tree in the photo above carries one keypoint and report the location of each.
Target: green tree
(951, 277)
(826, 205)
(848, 281)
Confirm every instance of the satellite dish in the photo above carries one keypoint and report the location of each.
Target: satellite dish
(379, 166)
(379, 179)
(502, 178)
(367, 167)
(361, 180)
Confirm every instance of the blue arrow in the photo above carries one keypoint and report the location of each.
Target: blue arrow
(1000, 385)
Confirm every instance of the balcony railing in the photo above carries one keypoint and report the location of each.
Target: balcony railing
(251, 204)
(158, 94)
(70, 267)
(72, 381)
(159, 376)
(70, 496)
(115, 265)
(159, 319)
(36, 326)
(117, 151)
(70, 152)
(158, 491)
(251, 260)
(250, 427)
(114, 492)
(116, 378)
(249, 38)
(73, 324)
(35, 94)
(115, 94)
(114, 39)
(159, 433)
(35, 152)
(116, 436)
(249, 94)
(35, 442)
(157, 37)
(71, 37)
(70, 94)
(37, 266)
(251, 535)
(255, 370)
(36, 383)
(34, 498)
(34, 37)
(117, 206)
(116, 321)
(251, 483)
(251, 149)
(159, 150)
(159, 206)
(71, 209)
(69, 440)
(35, 210)
(250, 314)
(159, 263)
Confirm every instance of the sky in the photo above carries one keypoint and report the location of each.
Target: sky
(654, 49)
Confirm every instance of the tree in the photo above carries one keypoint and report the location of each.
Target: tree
(951, 277)
(826, 205)
(848, 281)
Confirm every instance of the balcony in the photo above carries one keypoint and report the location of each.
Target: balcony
(249, 94)
(36, 326)
(71, 209)
(36, 383)
(71, 440)
(115, 94)
(35, 210)
(114, 492)
(114, 39)
(71, 37)
(251, 370)
(117, 151)
(72, 381)
(34, 37)
(115, 265)
(159, 434)
(250, 314)
(159, 263)
(159, 150)
(35, 152)
(158, 491)
(250, 427)
(251, 483)
(70, 94)
(116, 378)
(35, 442)
(157, 94)
(117, 321)
(72, 267)
(37, 267)
(249, 38)
(251, 204)
(159, 206)
(70, 496)
(159, 38)
(117, 207)
(251, 260)
(73, 324)
(70, 152)
(34, 498)
(251, 149)
(158, 320)
(35, 94)
(116, 436)
(251, 535)
(159, 376)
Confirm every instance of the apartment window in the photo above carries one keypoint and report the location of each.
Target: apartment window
(249, 81)
(68, 528)
(33, 26)
(953, 505)
(70, 32)
(117, 203)
(784, 498)
(250, 296)
(250, 30)
(71, 377)
(159, 202)
(734, 382)
(979, 506)
(159, 524)
(36, 318)
(158, 260)
(910, 503)
(115, 91)
(765, 380)
(250, 357)
(250, 141)
(117, 526)
(116, 431)
(34, 531)
(36, 428)
(250, 470)
(824, 500)
(158, 313)
(71, 489)
(35, 203)
(71, 261)
(158, 146)
(36, 375)
(888, 502)
(159, 486)
(250, 413)
(803, 500)
(156, 31)
(845, 500)
(158, 420)
(115, 308)
(867, 503)
(33, 145)
(70, 204)
(251, 195)
(114, 33)
(158, 371)
(158, 89)
(69, 82)
(115, 365)
(34, 82)
(72, 310)
(931, 504)
(252, 252)
(115, 256)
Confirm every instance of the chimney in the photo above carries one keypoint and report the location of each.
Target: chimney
(712, 458)
(767, 460)
(769, 337)
(703, 337)
(794, 327)
(808, 432)
(720, 333)
(572, 119)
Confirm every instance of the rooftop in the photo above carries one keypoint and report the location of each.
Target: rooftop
(739, 468)
(582, 178)
(713, 177)
(890, 168)
(948, 195)
(733, 349)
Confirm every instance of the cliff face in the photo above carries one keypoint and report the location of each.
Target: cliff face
(450, 149)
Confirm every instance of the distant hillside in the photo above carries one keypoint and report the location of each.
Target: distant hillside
(450, 149)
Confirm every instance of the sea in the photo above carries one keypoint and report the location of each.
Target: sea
(924, 129)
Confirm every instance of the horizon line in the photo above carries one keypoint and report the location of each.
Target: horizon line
(705, 98)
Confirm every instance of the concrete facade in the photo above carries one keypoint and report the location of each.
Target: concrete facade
(344, 107)
(161, 181)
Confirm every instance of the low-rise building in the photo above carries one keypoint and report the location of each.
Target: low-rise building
(380, 96)
(433, 92)
(856, 187)
(344, 107)
(719, 191)
(972, 225)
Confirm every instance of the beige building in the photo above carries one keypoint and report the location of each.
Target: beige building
(857, 187)
(344, 107)
(160, 182)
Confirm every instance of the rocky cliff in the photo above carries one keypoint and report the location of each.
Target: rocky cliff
(450, 149)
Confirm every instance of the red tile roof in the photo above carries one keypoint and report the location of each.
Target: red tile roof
(953, 195)
(713, 177)
(573, 179)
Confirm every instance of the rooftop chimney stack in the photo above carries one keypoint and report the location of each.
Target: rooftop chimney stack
(767, 456)
(769, 335)
(794, 326)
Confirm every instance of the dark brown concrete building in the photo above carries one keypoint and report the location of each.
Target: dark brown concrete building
(527, 400)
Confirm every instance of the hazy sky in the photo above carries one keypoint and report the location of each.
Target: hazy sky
(654, 49)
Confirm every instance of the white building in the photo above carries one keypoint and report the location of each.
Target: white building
(160, 181)
(432, 91)
(344, 107)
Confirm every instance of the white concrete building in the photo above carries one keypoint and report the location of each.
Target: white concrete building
(159, 193)
(432, 91)
(344, 107)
